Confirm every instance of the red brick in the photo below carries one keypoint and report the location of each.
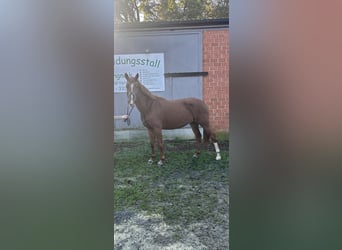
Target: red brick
(216, 84)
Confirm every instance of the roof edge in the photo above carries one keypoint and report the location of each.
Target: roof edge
(191, 24)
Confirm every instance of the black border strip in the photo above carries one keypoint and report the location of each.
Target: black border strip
(186, 74)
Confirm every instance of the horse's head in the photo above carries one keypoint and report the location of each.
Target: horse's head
(131, 86)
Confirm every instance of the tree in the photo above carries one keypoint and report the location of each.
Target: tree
(126, 11)
(169, 10)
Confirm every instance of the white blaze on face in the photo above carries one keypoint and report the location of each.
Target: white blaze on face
(132, 97)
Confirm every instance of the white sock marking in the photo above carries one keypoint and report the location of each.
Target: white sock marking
(217, 149)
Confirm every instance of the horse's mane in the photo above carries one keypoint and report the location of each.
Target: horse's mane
(146, 92)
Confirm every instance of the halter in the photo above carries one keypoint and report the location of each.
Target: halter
(130, 107)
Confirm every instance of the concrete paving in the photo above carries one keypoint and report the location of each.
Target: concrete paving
(142, 134)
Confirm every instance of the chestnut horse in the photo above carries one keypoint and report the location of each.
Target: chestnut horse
(158, 113)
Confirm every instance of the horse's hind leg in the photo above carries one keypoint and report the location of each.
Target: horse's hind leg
(217, 149)
(198, 136)
(152, 142)
(209, 134)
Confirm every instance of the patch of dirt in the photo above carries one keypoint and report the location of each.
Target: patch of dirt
(149, 232)
(135, 230)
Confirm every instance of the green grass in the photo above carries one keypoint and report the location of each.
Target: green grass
(222, 136)
(184, 190)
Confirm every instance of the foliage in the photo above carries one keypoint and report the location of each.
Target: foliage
(128, 11)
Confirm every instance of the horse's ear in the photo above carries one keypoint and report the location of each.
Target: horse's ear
(126, 76)
(137, 76)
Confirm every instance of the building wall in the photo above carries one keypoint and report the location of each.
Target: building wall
(182, 53)
(186, 50)
(216, 84)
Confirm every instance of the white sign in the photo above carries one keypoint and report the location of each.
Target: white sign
(149, 66)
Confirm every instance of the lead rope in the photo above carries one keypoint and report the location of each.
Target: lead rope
(129, 113)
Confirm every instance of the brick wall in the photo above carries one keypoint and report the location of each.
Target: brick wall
(216, 84)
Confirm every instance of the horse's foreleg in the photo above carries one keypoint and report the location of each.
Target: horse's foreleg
(161, 147)
(152, 142)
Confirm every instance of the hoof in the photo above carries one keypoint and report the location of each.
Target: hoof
(160, 163)
(150, 161)
(218, 157)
